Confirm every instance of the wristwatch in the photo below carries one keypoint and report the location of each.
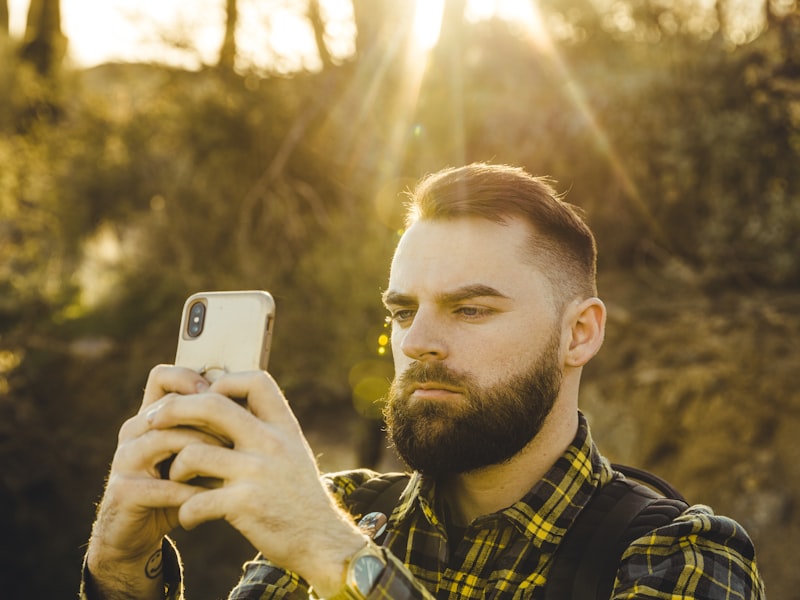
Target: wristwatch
(363, 570)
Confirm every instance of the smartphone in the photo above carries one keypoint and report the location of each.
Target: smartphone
(226, 332)
(223, 332)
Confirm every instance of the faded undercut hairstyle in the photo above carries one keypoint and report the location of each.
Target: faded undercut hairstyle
(561, 244)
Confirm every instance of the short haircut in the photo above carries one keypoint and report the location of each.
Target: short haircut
(561, 244)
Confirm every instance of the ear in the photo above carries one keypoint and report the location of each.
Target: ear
(587, 326)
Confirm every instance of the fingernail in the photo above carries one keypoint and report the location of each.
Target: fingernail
(202, 386)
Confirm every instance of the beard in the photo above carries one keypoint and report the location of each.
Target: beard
(489, 426)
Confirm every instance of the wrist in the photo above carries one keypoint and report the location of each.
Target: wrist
(326, 571)
(111, 576)
(103, 558)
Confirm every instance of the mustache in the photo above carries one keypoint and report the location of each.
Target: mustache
(418, 372)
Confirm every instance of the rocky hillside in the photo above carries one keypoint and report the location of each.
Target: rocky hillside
(704, 389)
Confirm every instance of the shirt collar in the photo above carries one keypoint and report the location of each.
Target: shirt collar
(548, 510)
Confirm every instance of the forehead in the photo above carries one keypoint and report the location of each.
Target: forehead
(449, 253)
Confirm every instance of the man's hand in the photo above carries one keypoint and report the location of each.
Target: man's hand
(271, 489)
(138, 507)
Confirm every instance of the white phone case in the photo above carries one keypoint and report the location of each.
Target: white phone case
(226, 332)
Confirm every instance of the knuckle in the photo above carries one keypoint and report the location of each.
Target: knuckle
(157, 373)
(125, 431)
(160, 369)
(122, 434)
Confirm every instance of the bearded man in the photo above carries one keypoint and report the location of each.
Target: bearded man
(494, 311)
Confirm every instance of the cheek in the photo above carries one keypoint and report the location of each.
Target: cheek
(395, 339)
(486, 358)
(495, 358)
(398, 356)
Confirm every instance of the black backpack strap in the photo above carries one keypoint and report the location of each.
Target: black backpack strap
(586, 562)
(378, 494)
(651, 479)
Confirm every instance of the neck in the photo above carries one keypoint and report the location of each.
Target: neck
(493, 488)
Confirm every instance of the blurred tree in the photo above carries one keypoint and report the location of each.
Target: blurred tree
(227, 53)
(724, 192)
(318, 25)
(44, 45)
(379, 22)
(4, 17)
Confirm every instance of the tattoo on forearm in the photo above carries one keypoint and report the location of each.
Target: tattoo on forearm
(154, 565)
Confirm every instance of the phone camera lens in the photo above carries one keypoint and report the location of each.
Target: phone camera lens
(197, 318)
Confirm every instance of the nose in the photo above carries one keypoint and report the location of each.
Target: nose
(423, 339)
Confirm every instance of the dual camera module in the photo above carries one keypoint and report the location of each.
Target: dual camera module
(197, 319)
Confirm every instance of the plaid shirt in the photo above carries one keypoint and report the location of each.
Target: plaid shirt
(507, 555)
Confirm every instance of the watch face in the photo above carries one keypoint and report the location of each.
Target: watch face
(366, 571)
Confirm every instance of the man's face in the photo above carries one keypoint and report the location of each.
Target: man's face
(476, 341)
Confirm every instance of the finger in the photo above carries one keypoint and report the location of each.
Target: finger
(202, 460)
(138, 425)
(143, 454)
(164, 379)
(212, 413)
(264, 398)
(141, 424)
(146, 492)
(235, 504)
(206, 505)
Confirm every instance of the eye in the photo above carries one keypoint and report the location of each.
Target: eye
(474, 312)
(400, 316)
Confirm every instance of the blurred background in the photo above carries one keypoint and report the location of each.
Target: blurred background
(149, 150)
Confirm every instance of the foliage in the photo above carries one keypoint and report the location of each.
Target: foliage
(720, 149)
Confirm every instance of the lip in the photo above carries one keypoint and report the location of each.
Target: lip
(433, 391)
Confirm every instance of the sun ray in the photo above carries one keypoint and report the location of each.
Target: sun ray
(398, 63)
(412, 54)
(537, 35)
(427, 22)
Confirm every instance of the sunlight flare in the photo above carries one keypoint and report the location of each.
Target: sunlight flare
(528, 15)
(428, 23)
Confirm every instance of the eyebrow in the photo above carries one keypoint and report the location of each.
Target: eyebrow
(467, 292)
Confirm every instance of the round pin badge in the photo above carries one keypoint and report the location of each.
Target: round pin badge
(373, 524)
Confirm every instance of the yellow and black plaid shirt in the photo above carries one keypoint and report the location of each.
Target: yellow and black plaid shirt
(507, 555)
